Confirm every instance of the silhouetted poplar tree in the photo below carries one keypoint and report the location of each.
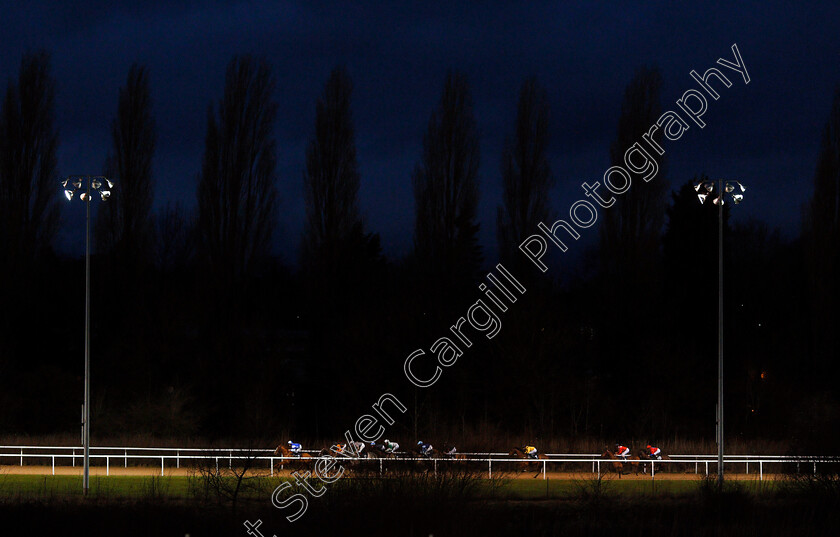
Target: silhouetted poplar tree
(124, 227)
(526, 174)
(237, 203)
(334, 249)
(690, 248)
(29, 215)
(822, 234)
(29, 188)
(631, 229)
(630, 279)
(237, 197)
(526, 184)
(174, 232)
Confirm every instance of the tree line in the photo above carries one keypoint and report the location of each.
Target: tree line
(199, 330)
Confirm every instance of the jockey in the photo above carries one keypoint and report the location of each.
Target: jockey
(530, 451)
(355, 446)
(294, 447)
(424, 449)
(654, 452)
(622, 451)
(389, 447)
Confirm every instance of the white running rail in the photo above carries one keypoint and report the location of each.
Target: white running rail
(175, 456)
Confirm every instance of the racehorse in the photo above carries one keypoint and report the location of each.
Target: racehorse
(619, 465)
(616, 466)
(356, 465)
(645, 455)
(362, 450)
(376, 451)
(445, 453)
(519, 454)
(283, 451)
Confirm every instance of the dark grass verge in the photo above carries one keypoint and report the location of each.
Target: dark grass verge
(412, 505)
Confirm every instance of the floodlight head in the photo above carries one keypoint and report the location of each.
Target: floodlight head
(710, 187)
(68, 194)
(77, 183)
(105, 194)
(702, 198)
(729, 187)
(737, 198)
(64, 183)
(96, 184)
(718, 200)
(110, 183)
(743, 188)
(84, 196)
(698, 186)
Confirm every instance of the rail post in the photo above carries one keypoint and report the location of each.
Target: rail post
(380, 466)
(217, 465)
(761, 470)
(107, 465)
(815, 467)
(599, 469)
(230, 459)
(178, 459)
(73, 458)
(53, 464)
(271, 461)
(21, 457)
(435, 466)
(126, 458)
(489, 467)
(544, 470)
(161, 466)
(707, 467)
(748, 467)
(652, 470)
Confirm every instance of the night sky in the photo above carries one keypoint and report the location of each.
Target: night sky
(765, 134)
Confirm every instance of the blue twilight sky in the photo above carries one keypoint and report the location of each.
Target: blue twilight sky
(765, 134)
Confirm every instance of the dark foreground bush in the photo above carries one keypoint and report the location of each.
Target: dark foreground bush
(419, 506)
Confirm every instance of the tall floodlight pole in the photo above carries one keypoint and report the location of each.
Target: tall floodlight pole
(71, 184)
(724, 187)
